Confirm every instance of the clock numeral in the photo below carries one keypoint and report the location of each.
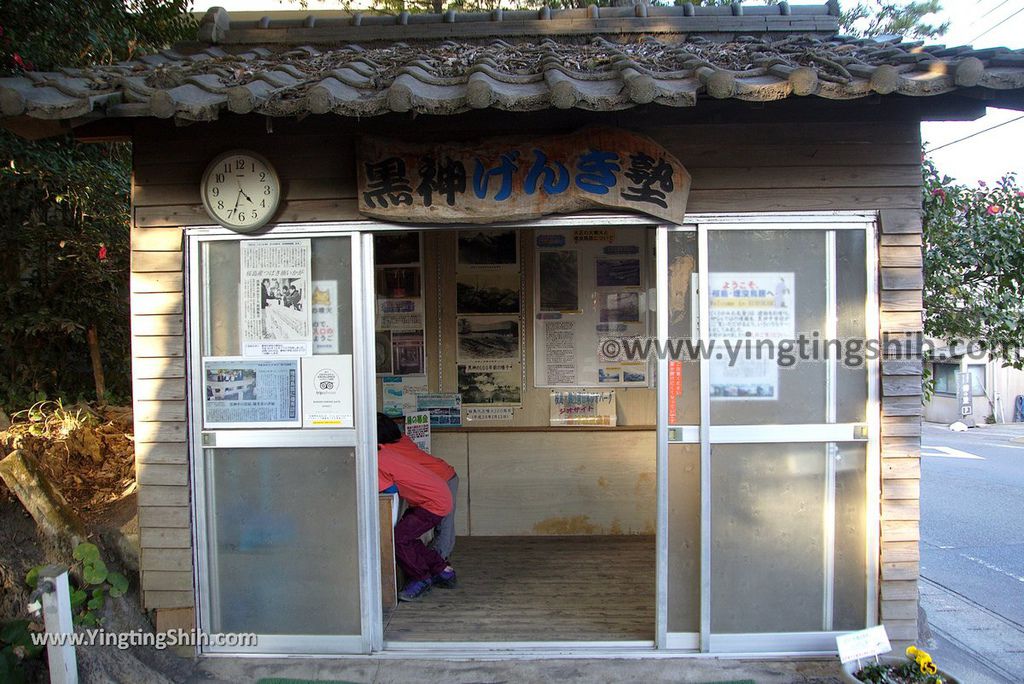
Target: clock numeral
(266, 189)
(254, 215)
(215, 191)
(263, 176)
(241, 216)
(231, 212)
(218, 178)
(240, 164)
(220, 204)
(227, 168)
(263, 204)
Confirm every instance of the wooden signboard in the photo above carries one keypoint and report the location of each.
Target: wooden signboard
(514, 178)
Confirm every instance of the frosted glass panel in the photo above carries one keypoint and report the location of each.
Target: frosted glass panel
(850, 598)
(767, 554)
(684, 538)
(851, 295)
(684, 377)
(284, 563)
(796, 258)
(331, 270)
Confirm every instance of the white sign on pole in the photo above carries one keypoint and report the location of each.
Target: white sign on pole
(866, 643)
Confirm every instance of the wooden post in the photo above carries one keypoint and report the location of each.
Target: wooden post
(56, 600)
(97, 362)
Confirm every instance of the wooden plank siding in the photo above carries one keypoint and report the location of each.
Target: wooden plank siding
(833, 166)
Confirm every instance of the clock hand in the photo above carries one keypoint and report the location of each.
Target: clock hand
(238, 198)
(249, 199)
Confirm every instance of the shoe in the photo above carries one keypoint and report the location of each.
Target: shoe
(414, 591)
(446, 578)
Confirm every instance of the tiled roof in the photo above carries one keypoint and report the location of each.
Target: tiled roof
(600, 70)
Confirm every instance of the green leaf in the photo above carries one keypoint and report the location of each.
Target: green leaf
(15, 631)
(95, 572)
(86, 552)
(32, 576)
(78, 597)
(98, 600)
(118, 584)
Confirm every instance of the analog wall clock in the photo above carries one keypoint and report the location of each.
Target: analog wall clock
(241, 190)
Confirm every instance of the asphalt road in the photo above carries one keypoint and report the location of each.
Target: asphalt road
(972, 547)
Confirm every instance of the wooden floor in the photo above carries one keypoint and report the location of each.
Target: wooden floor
(585, 588)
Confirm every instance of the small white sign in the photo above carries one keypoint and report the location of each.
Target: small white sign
(327, 391)
(866, 643)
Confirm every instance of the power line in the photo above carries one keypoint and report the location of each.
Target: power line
(968, 137)
(996, 26)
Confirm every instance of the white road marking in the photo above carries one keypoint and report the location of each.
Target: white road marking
(990, 566)
(949, 452)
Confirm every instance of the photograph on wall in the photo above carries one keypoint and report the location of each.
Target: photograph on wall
(488, 338)
(275, 314)
(324, 309)
(396, 249)
(246, 392)
(488, 249)
(400, 282)
(558, 276)
(619, 307)
(487, 293)
(382, 350)
(621, 273)
(398, 393)
(408, 354)
(499, 386)
(327, 391)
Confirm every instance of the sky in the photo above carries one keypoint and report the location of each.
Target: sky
(986, 156)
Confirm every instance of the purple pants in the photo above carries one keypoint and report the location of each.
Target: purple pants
(416, 560)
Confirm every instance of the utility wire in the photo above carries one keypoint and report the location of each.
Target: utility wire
(968, 137)
(996, 26)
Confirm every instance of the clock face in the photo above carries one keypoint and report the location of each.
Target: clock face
(241, 190)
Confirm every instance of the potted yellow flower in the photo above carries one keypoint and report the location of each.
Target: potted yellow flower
(916, 668)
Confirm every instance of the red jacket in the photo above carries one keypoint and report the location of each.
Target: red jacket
(407, 448)
(416, 484)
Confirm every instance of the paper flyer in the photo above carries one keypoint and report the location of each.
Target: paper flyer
(583, 408)
(445, 409)
(324, 305)
(417, 428)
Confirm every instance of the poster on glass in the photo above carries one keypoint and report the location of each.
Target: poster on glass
(242, 392)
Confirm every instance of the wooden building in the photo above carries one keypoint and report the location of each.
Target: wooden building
(760, 178)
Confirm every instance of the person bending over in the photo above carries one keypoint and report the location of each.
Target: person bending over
(444, 534)
(429, 501)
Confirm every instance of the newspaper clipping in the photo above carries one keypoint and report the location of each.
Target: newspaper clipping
(242, 392)
(275, 288)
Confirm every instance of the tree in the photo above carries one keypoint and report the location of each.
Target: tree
(974, 263)
(877, 18)
(64, 207)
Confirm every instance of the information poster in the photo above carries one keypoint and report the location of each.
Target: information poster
(749, 306)
(488, 327)
(324, 309)
(399, 393)
(590, 288)
(399, 342)
(275, 312)
(327, 391)
(445, 409)
(241, 392)
(417, 428)
(583, 408)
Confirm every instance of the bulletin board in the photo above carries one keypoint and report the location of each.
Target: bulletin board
(590, 286)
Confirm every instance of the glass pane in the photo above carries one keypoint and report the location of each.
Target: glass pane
(767, 555)
(331, 276)
(281, 563)
(766, 285)
(851, 296)
(684, 538)
(851, 571)
(684, 374)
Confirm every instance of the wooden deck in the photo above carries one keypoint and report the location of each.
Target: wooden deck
(582, 588)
